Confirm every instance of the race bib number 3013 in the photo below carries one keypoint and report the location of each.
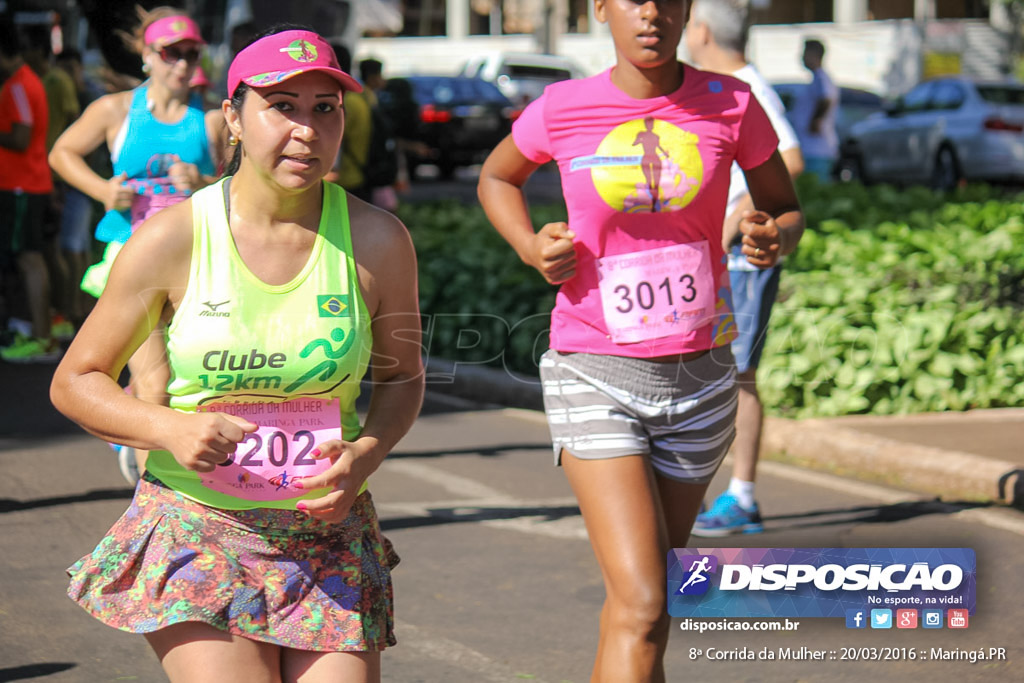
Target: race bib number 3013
(657, 293)
(268, 463)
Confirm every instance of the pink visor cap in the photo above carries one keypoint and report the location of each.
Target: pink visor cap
(170, 30)
(281, 56)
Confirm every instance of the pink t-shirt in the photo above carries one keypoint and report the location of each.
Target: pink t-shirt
(645, 183)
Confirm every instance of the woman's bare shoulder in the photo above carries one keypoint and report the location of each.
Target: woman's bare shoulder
(115, 105)
(375, 232)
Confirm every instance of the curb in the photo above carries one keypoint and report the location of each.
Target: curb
(817, 443)
(482, 384)
(823, 445)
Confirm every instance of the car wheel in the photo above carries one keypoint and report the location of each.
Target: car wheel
(850, 169)
(945, 173)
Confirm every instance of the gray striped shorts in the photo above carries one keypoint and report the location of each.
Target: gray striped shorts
(681, 415)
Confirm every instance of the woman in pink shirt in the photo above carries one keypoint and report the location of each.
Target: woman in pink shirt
(639, 382)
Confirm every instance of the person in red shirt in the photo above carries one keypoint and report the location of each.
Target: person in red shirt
(25, 187)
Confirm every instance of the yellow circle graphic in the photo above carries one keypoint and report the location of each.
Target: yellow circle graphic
(301, 51)
(647, 166)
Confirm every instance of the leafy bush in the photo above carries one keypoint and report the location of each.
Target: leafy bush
(899, 301)
(480, 303)
(895, 301)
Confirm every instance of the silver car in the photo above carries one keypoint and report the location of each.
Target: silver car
(941, 132)
(521, 77)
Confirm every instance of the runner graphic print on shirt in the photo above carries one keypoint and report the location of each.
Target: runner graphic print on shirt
(645, 166)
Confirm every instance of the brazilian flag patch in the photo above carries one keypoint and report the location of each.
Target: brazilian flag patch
(333, 306)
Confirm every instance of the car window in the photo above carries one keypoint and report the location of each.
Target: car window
(859, 98)
(918, 98)
(488, 92)
(448, 90)
(787, 93)
(947, 95)
(1001, 94)
(531, 71)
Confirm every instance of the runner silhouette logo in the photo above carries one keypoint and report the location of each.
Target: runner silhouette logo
(697, 580)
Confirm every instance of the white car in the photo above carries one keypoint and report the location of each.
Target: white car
(941, 132)
(521, 77)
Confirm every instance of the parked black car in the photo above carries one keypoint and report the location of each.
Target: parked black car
(459, 119)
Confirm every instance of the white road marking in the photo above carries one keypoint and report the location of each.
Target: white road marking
(997, 518)
(572, 527)
(450, 482)
(564, 527)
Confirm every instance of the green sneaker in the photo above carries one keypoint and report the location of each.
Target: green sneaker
(32, 351)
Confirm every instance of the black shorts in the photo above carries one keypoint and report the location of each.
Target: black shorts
(22, 220)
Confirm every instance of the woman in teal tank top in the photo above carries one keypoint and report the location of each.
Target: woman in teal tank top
(163, 147)
(279, 291)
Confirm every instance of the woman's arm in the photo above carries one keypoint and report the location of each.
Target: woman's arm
(96, 126)
(187, 177)
(387, 271)
(217, 136)
(500, 190)
(776, 224)
(151, 270)
(794, 161)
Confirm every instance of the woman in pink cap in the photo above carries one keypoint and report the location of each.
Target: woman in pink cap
(251, 550)
(160, 141)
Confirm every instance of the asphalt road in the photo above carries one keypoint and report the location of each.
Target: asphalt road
(497, 581)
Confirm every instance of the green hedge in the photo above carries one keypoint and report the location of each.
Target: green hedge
(896, 300)
(480, 303)
(900, 301)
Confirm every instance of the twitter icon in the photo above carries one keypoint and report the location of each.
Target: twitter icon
(881, 618)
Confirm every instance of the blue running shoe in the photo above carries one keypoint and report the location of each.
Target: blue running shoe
(126, 463)
(726, 517)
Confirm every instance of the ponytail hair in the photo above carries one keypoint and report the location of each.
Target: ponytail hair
(135, 40)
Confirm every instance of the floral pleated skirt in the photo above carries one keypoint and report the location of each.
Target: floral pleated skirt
(275, 576)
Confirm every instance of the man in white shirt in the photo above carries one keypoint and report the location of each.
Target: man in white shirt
(716, 37)
(814, 115)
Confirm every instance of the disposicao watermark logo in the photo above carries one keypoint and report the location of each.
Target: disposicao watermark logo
(696, 580)
(818, 582)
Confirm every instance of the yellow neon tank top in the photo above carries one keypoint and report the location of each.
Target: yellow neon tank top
(237, 340)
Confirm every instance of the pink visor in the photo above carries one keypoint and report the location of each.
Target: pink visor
(170, 30)
(283, 55)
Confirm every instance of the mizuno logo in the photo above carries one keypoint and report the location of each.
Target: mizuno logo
(213, 307)
(213, 312)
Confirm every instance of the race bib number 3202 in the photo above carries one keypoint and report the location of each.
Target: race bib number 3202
(658, 292)
(268, 463)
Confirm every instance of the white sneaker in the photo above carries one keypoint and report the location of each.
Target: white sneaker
(127, 464)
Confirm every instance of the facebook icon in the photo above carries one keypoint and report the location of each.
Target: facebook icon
(856, 618)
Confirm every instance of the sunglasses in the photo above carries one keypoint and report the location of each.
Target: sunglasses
(173, 55)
